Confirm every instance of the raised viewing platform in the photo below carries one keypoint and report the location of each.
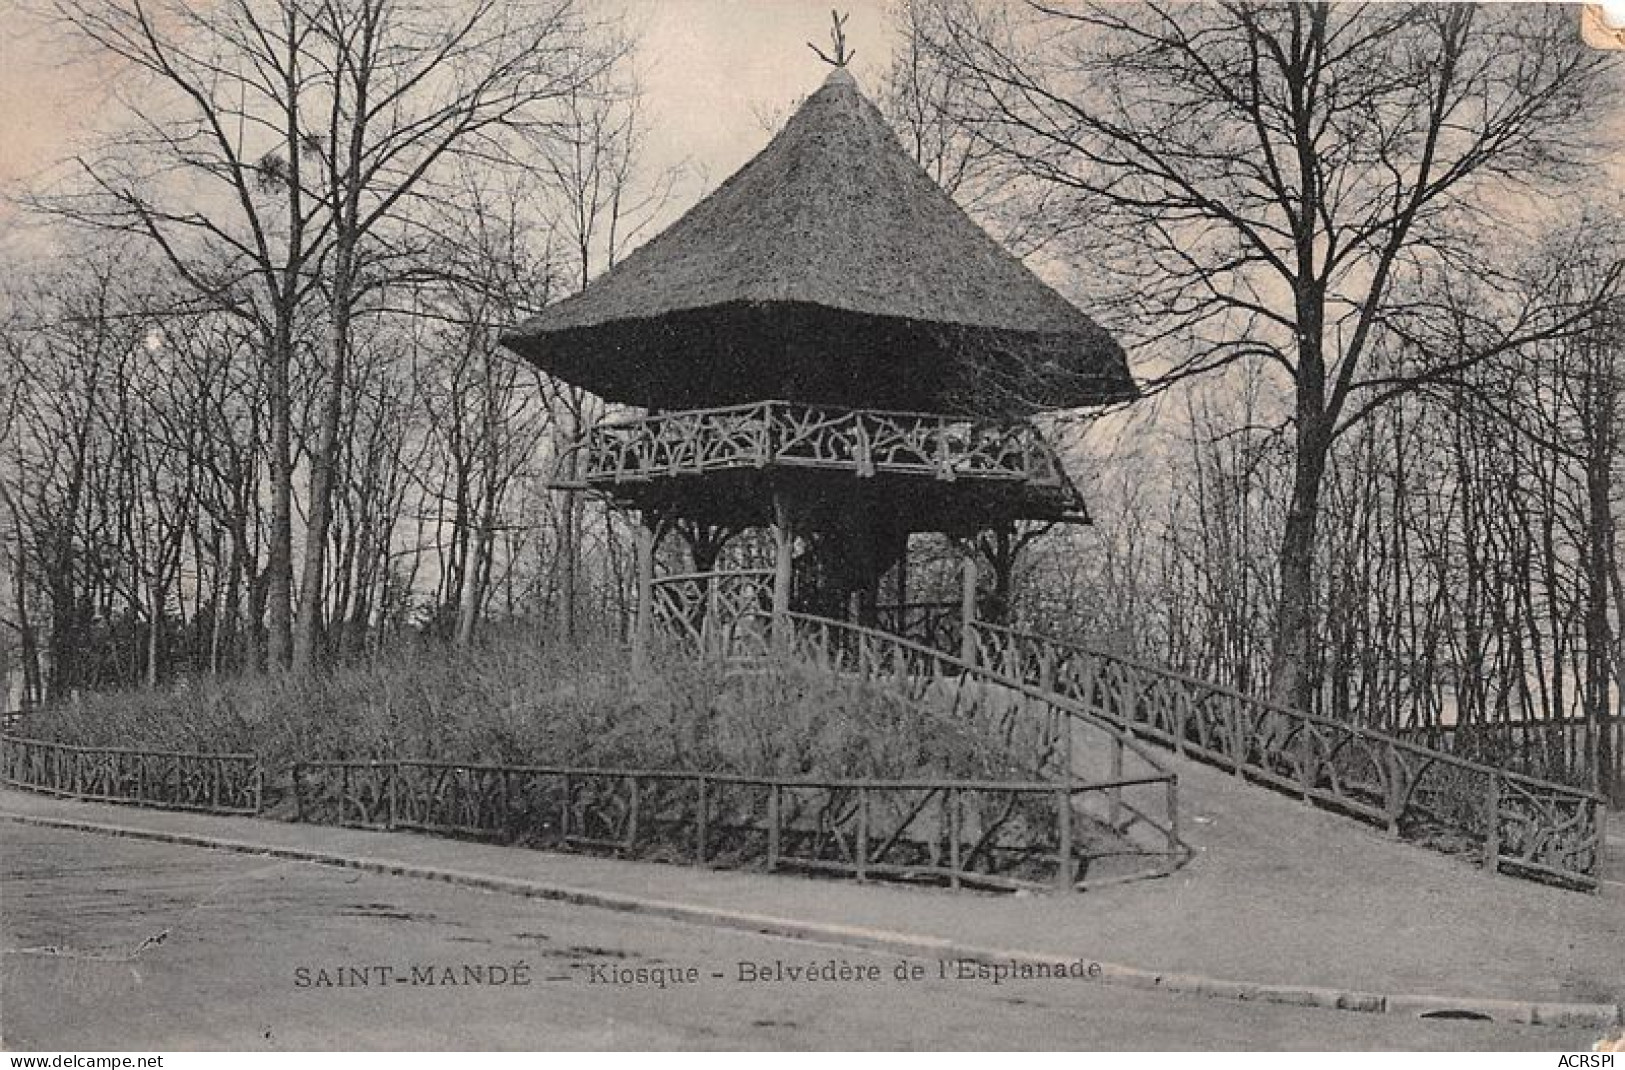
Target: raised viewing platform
(1006, 459)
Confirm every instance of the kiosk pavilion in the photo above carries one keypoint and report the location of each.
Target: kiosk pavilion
(826, 346)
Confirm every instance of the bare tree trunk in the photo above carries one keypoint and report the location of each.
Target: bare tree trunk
(1291, 682)
(312, 596)
(278, 579)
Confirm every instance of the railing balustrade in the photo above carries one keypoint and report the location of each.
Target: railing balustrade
(182, 780)
(707, 609)
(780, 433)
(1520, 824)
(977, 833)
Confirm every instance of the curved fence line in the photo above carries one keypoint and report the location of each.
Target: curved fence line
(980, 833)
(1051, 735)
(1513, 822)
(181, 780)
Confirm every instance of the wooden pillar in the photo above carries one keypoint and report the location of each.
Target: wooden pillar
(902, 574)
(783, 544)
(641, 628)
(967, 604)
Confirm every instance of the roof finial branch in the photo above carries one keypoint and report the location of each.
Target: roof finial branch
(837, 36)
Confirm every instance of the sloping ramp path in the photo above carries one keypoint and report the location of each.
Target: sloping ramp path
(1279, 894)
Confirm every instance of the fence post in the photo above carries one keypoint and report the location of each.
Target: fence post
(1114, 812)
(1396, 788)
(863, 833)
(772, 826)
(1063, 860)
(564, 809)
(344, 789)
(298, 792)
(702, 819)
(632, 815)
(1238, 746)
(1173, 814)
(1599, 821)
(1182, 719)
(1492, 824)
(507, 804)
(392, 774)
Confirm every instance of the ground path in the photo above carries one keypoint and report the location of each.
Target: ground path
(137, 945)
(1279, 893)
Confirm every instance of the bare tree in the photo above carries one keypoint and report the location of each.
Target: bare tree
(209, 166)
(1272, 179)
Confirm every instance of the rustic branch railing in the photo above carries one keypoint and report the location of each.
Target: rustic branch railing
(778, 433)
(1050, 734)
(1517, 823)
(934, 624)
(707, 608)
(978, 833)
(1556, 749)
(214, 783)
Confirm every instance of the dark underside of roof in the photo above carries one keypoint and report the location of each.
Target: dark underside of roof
(751, 351)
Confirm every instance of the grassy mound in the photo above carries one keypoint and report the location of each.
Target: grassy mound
(518, 701)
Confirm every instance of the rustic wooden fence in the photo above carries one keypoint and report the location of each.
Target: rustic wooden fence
(180, 780)
(767, 433)
(1556, 749)
(1520, 824)
(976, 833)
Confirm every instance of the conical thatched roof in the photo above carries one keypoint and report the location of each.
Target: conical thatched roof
(829, 269)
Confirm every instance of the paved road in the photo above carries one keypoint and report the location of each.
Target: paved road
(137, 945)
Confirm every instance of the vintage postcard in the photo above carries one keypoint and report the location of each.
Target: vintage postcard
(725, 524)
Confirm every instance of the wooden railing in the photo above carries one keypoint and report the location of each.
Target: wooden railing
(1556, 749)
(932, 623)
(1520, 824)
(214, 783)
(1049, 735)
(778, 433)
(707, 608)
(980, 833)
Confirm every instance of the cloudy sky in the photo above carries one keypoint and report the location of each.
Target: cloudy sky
(713, 72)
(711, 69)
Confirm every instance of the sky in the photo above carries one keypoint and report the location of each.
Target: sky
(716, 75)
(710, 69)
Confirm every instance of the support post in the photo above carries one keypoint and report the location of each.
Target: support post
(391, 772)
(1115, 796)
(632, 787)
(1492, 823)
(1064, 878)
(967, 608)
(646, 576)
(1173, 816)
(702, 820)
(863, 834)
(772, 826)
(783, 537)
(902, 584)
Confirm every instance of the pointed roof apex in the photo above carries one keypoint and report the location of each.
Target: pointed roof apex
(829, 269)
(842, 77)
